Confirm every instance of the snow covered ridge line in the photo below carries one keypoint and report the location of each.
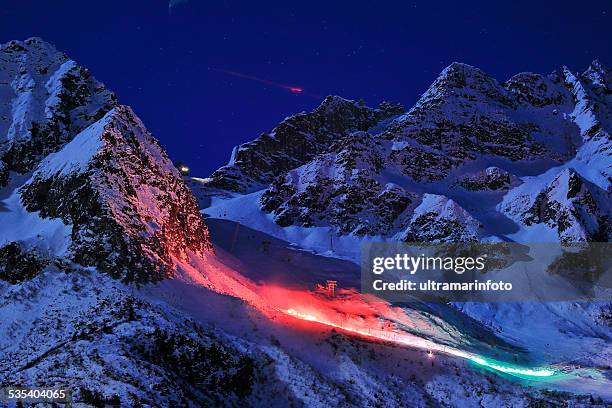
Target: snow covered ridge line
(473, 160)
(297, 140)
(128, 207)
(47, 99)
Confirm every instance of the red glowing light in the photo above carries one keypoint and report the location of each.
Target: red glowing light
(292, 89)
(348, 311)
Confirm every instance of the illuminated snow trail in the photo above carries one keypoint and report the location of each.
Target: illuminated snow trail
(416, 342)
(526, 372)
(356, 315)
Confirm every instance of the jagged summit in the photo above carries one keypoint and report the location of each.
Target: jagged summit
(460, 75)
(33, 49)
(101, 188)
(334, 100)
(296, 140)
(598, 73)
(337, 104)
(469, 140)
(129, 210)
(46, 99)
(460, 80)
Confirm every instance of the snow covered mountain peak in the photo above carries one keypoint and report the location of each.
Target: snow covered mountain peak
(102, 191)
(464, 81)
(485, 149)
(127, 205)
(296, 140)
(45, 99)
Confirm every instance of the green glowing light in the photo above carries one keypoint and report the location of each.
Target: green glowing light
(524, 372)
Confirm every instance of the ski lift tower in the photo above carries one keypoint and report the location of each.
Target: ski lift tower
(331, 287)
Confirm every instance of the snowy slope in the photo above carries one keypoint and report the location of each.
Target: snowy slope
(487, 147)
(111, 344)
(109, 284)
(528, 160)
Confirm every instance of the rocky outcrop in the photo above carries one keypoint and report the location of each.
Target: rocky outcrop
(94, 166)
(489, 179)
(369, 183)
(339, 189)
(575, 208)
(464, 115)
(17, 264)
(439, 219)
(538, 90)
(295, 141)
(129, 209)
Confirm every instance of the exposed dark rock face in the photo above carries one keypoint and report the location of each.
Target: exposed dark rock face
(489, 179)
(51, 100)
(210, 370)
(18, 264)
(439, 219)
(537, 90)
(339, 188)
(578, 210)
(129, 209)
(4, 174)
(369, 183)
(463, 115)
(297, 140)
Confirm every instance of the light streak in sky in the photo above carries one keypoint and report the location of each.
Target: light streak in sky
(290, 88)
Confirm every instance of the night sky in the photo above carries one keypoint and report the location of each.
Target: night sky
(168, 64)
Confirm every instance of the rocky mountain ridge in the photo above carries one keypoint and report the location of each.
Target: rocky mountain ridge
(45, 99)
(130, 211)
(295, 141)
(94, 166)
(107, 275)
(469, 139)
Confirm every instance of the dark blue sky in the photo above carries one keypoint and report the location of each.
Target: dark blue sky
(162, 64)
